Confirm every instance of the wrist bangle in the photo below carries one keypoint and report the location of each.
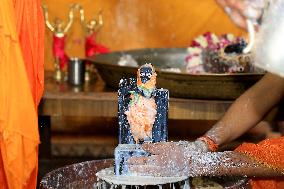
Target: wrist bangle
(213, 147)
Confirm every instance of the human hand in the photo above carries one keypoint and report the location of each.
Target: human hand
(167, 159)
(241, 10)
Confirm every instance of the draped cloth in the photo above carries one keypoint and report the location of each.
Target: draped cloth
(92, 47)
(59, 51)
(271, 153)
(21, 87)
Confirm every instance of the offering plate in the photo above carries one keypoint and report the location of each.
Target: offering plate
(180, 84)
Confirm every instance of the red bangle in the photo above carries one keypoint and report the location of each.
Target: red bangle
(213, 147)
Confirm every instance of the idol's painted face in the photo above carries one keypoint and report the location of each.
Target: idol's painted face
(145, 74)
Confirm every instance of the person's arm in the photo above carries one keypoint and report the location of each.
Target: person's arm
(240, 11)
(70, 18)
(233, 10)
(100, 21)
(228, 164)
(248, 110)
(48, 24)
(173, 159)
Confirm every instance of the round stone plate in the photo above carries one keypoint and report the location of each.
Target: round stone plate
(109, 176)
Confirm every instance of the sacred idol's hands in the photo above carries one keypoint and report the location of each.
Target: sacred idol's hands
(167, 159)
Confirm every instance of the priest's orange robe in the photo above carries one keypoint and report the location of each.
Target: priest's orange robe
(270, 152)
(21, 86)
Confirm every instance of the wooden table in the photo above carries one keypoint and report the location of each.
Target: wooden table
(95, 99)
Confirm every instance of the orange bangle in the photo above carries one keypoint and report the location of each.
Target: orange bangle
(213, 147)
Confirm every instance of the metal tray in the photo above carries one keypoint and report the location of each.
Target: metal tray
(180, 85)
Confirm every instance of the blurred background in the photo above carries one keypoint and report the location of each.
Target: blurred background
(134, 24)
(128, 24)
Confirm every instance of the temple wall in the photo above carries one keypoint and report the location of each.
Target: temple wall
(132, 24)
